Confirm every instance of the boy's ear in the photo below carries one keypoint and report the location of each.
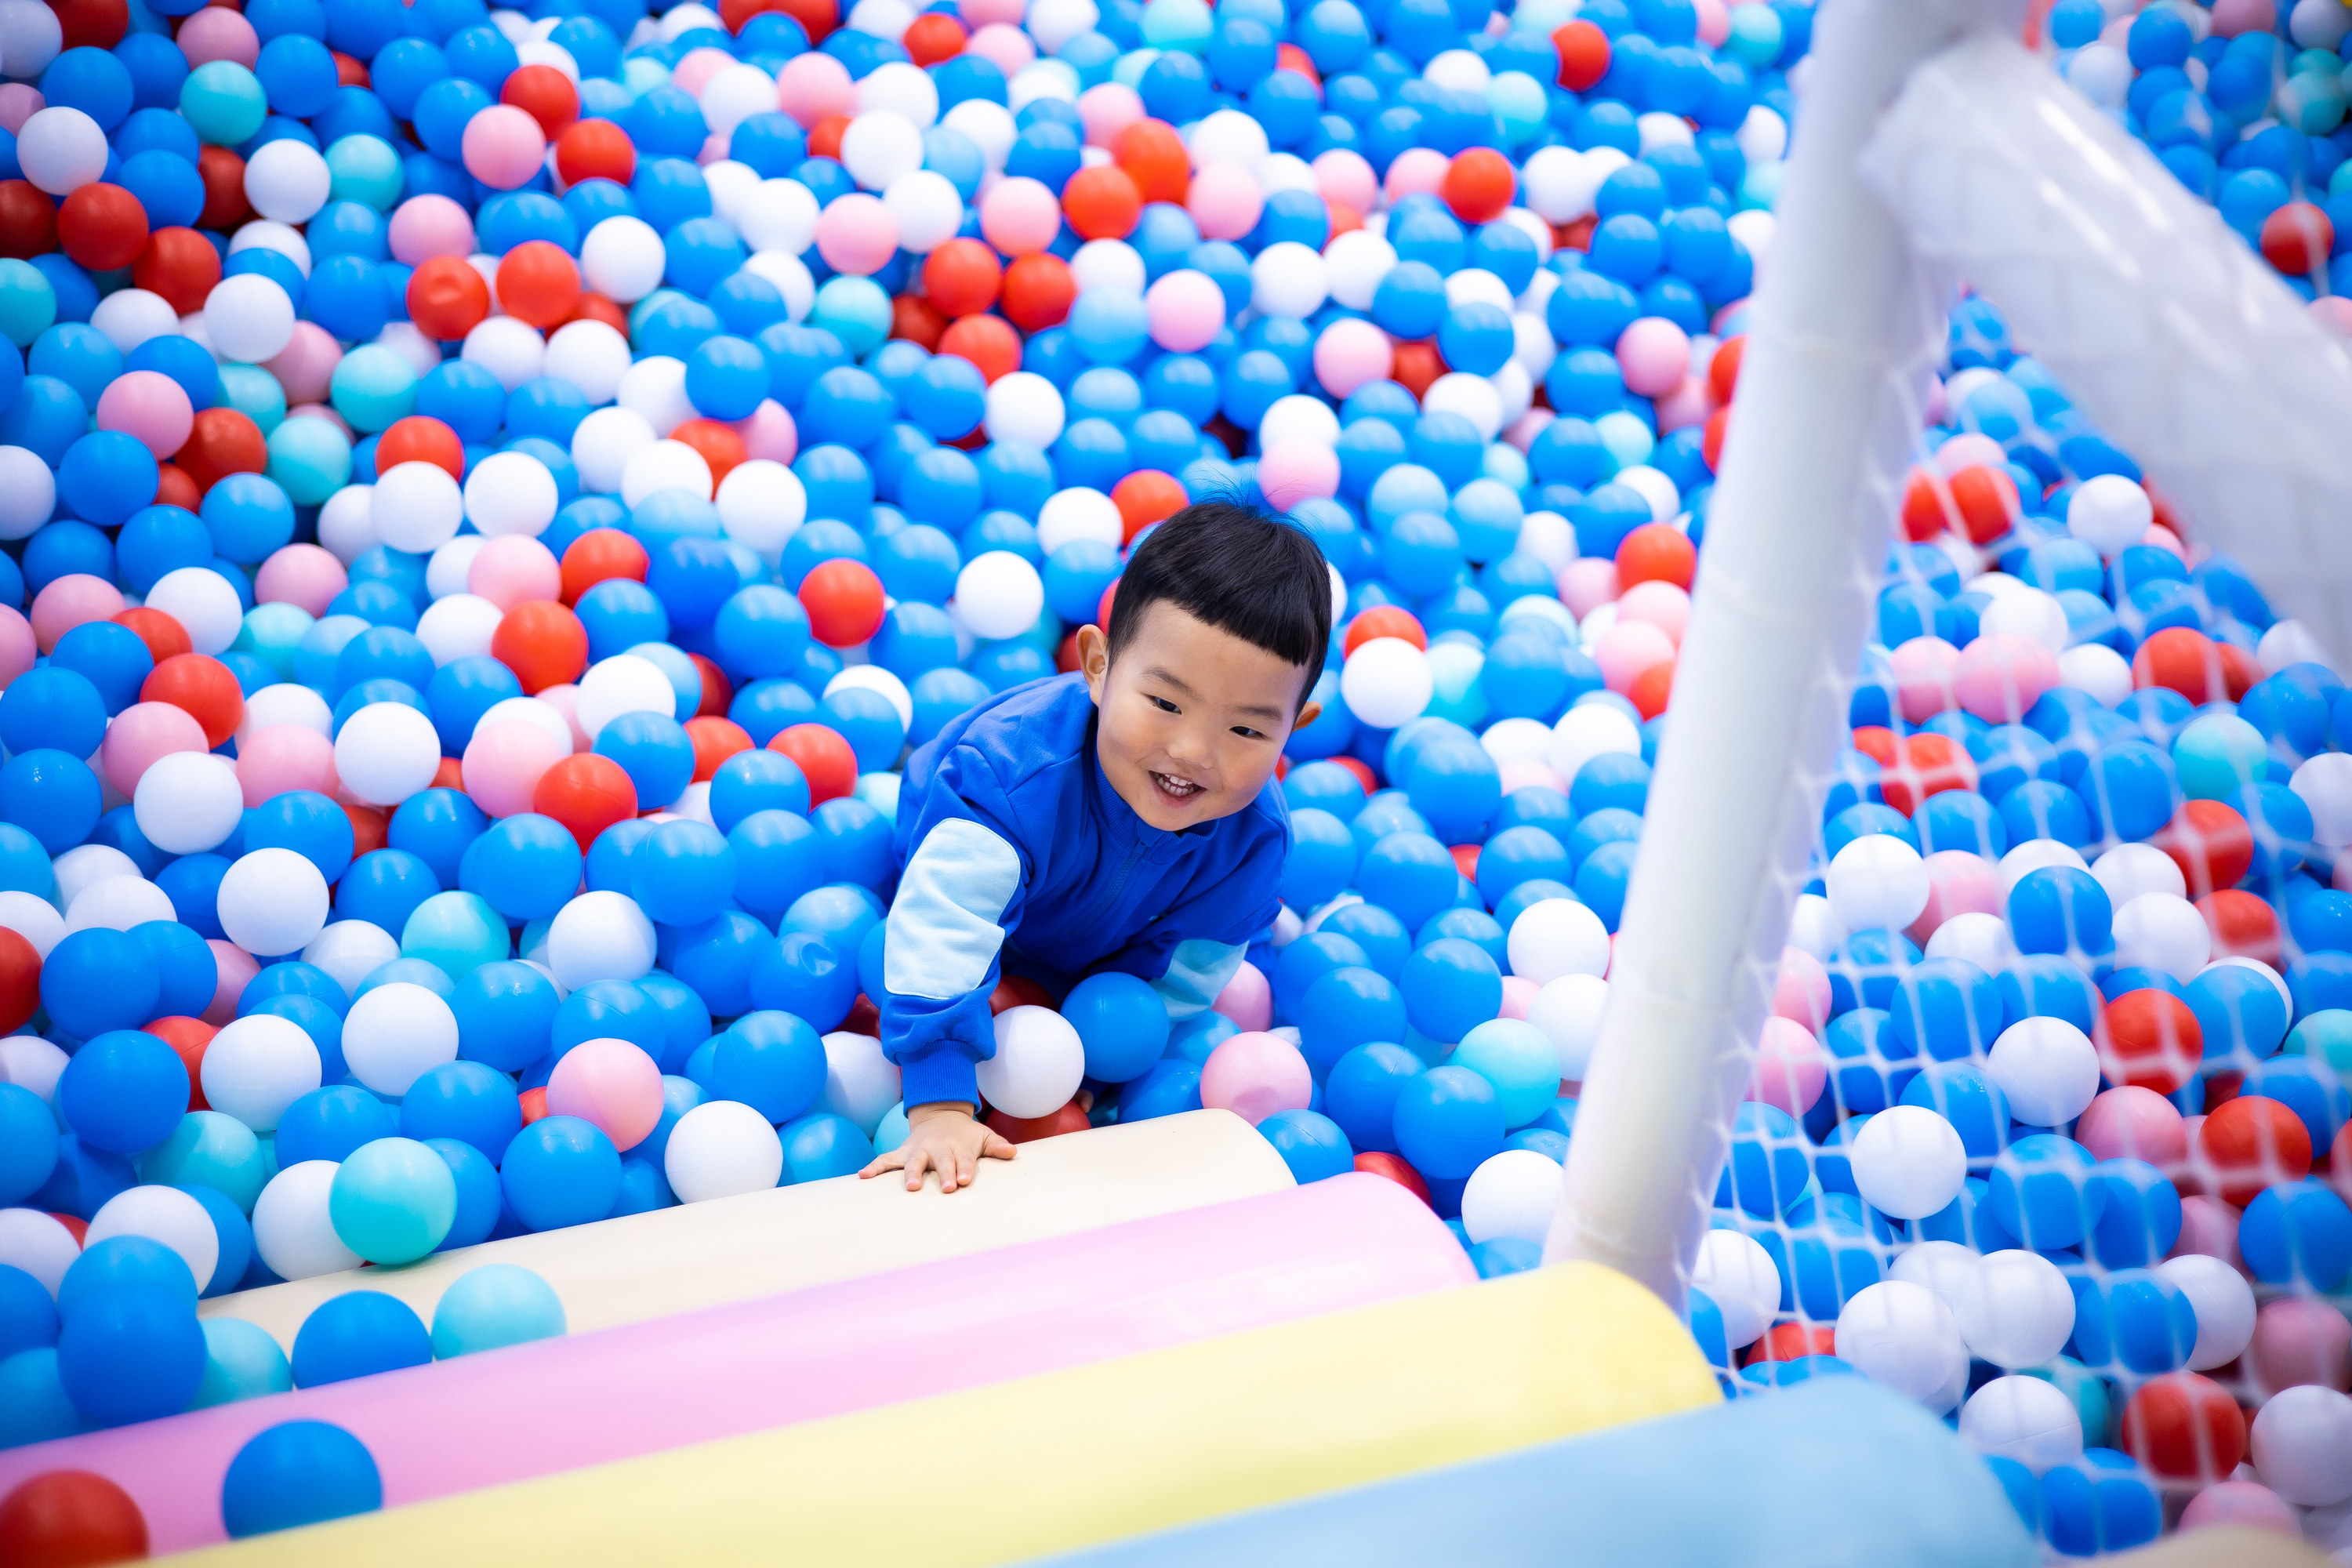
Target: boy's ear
(1094, 659)
(1306, 715)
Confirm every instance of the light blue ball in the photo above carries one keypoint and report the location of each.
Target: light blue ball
(496, 1305)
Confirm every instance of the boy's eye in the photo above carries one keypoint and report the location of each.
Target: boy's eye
(1162, 704)
(1247, 734)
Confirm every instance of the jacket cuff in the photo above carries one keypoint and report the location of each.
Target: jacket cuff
(944, 1073)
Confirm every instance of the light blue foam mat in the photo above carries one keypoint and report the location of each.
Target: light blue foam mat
(1834, 1474)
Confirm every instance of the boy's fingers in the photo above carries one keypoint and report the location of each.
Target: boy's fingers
(915, 1163)
(967, 1167)
(889, 1161)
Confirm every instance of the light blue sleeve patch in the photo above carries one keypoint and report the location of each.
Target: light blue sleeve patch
(1197, 972)
(943, 933)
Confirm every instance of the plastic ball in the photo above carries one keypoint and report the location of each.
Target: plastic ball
(1038, 1065)
(298, 1473)
(494, 1306)
(720, 1149)
(393, 1199)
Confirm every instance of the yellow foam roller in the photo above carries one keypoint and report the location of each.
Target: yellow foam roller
(1087, 1454)
(683, 1259)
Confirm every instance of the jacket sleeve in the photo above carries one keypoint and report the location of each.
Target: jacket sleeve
(1191, 953)
(961, 892)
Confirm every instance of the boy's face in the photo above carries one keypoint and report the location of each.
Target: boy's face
(1192, 718)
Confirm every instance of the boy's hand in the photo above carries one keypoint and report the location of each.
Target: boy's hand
(943, 1138)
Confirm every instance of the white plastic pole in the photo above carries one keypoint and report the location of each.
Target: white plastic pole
(1845, 323)
(2181, 346)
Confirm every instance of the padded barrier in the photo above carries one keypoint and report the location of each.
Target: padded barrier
(682, 1260)
(1834, 1474)
(559, 1405)
(1073, 1458)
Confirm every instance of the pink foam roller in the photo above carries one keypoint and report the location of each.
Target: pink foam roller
(1247, 999)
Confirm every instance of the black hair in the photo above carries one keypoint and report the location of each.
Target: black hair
(1239, 570)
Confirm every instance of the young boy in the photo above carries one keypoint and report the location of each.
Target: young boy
(1116, 818)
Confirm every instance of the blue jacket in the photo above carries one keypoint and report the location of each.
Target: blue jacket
(1020, 857)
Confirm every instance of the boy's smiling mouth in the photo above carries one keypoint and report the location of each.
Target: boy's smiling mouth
(1175, 789)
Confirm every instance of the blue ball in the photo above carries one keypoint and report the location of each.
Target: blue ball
(1311, 1144)
(756, 781)
(1449, 987)
(821, 1146)
(1121, 1021)
(525, 867)
(1347, 1007)
(1360, 1093)
(298, 1473)
(329, 1124)
(355, 1334)
(505, 1013)
(98, 979)
(465, 1101)
(124, 1091)
(560, 1171)
(683, 873)
(2298, 1235)
(1447, 1121)
(131, 1354)
(773, 1062)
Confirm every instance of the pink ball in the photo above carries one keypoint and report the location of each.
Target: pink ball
(1802, 993)
(307, 575)
(1518, 995)
(1019, 217)
(1714, 22)
(1655, 354)
(1247, 999)
(977, 14)
(17, 648)
(2164, 539)
(565, 700)
(503, 763)
(1997, 678)
(1791, 1069)
(2207, 1226)
(1008, 48)
(856, 234)
(71, 601)
(1659, 604)
(1523, 431)
(140, 733)
(2248, 1505)
(2128, 1124)
(512, 568)
(1627, 649)
(1225, 201)
(284, 757)
(770, 433)
(305, 365)
(504, 146)
(150, 408)
(1968, 451)
(2332, 311)
(1530, 774)
(1417, 172)
(19, 102)
(1586, 584)
(714, 148)
(2298, 1340)
(2231, 18)
(217, 32)
(1295, 470)
(1684, 407)
(423, 227)
(1254, 1074)
(1184, 309)
(694, 72)
(1923, 676)
(1958, 883)
(812, 86)
(1352, 354)
(1107, 108)
(235, 969)
(1343, 176)
(611, 1083)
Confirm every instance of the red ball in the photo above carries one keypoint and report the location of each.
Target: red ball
(717, 691)
(2297, 237)
(1018, 991)
(447, 299)
(102, 227)
(67, 1518)
(817, 18)
(543, 643)
(164, 637)
(1987, 500)
(92, 24)
(546, 95)
(962, 277)
(599, 554)
(918, 321)
(20, 980)
(1071, 1118)
(720, 446)
(2243, 925)
(1155, 158)
(2249, 1144)
(222, 442)
(932, 37)
(988, 342)
(587, 794)
(2211, 845)
(1417, 366)
(1102, 203)
(1145, 497)
(2182, 659)
(843, 601)
(2148, 1039)
(824, 757)
(29, 220)
(716, 738)
(180, 265)
(202, 687)
(223, 172)
(2184, 1427)
(1583, 53)
(1924, 765)
(1479, 184)
(1723, 370)
(595, 150)
(421, 439)
(188, 1037)
(1383, 621)
(1039, 291)
(372, 825)
(538, 280)
(1657, 552)
(1394, 1169)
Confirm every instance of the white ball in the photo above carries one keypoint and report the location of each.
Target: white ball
(258, 1066)
(33, 1064)
(622, 258)
(721, 1148)
(387, 752)
(1983, 940)
(119, 903)
(85, 865)
(625, 683)
(1568, 1011)
(445, 572)
(188, 800)
(529, 710)
(734, 94)
(2028, 613)
(2325, 785)
(273, 901)
(1386, 681)
(396, 1033)
(665, 466)
(346, 523)
(761, 504)
(2015, 1308)
(2048, 1068)
(2162, 931)
(1593, 729)
(1763, 136)
(292, 1229)
(1111, 264)
(60, 150)
(2023, 1418)
(603, 444)
(351, 951)
(1054, 23)
(32, 917)
(2031, 856)
(1877, 883)
(2127, 870)
(1557, 937)
(203, 601)
(508, 349)
(879, 146)
(286, 703)
(1512, 1194)
(1287, 279)
(1354, 265)
(128, 316)
(780, 215)
(247, 318)
(288, 181)
(1078, 513)
(1740, 1278)
(2098, 669)
(1025, 407)
(460, 627)
(284, 239)
(999, 595)
(35, 1242)
(1903, 1337)
(416, 507)
(1298, 417)
(165, 1215)
(2224, 1304)
(881, 682)
(1908, 1162)
(2303, 1445)
(592, 356)
(926, 206)
(861, 1084)
(1474, 398)
(28, 491)
(599, 936)
(2109, 513)
(1038, 1065)
(1938, 1266)
(30, 37)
